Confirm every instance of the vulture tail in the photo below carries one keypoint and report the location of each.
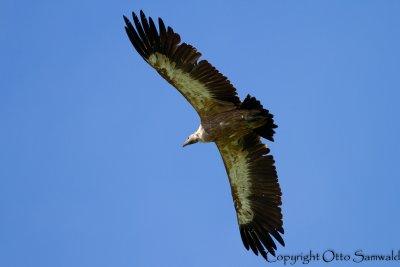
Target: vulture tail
(267, 129)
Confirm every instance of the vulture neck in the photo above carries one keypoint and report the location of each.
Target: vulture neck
(202, 135)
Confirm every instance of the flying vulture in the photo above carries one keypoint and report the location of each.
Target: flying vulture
(235, 126)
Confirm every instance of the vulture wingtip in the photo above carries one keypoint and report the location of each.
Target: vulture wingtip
(134, 16)
(142, 13)
(126, 19)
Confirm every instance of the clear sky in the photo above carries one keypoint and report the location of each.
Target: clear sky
(92, 172)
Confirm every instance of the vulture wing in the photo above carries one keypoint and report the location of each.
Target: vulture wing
(207, 90)
(255, 191)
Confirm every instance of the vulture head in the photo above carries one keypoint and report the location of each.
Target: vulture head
(192, 139)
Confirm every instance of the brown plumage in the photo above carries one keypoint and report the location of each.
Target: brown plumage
(235, 127)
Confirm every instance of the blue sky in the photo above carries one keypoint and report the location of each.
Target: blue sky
(92, 170)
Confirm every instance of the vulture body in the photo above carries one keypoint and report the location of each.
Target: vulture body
(235, 126)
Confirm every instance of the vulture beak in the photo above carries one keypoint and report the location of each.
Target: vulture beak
(187, 142)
